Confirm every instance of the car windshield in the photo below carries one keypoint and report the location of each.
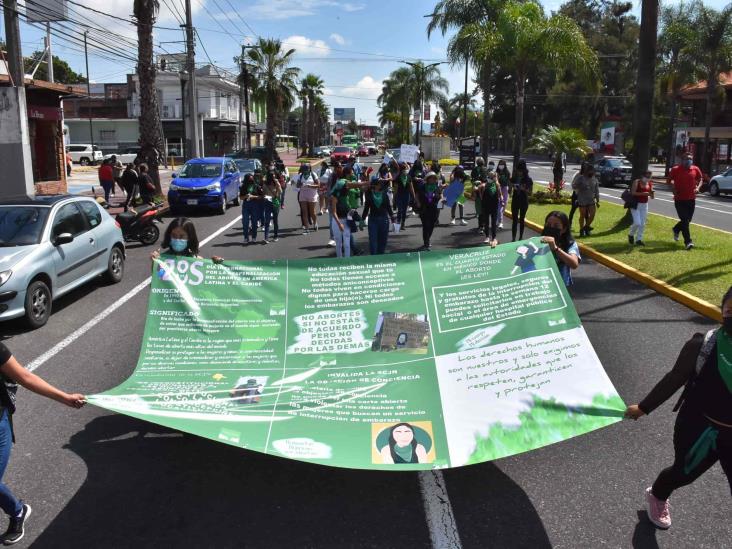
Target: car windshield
(198, 169)
(342, 149)
(245, 164)
(617, 163)
(21, 225)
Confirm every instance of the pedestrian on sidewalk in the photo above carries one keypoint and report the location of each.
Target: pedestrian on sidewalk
(12, 374)
(504, 182)
(129, 181)
(377, 210)
(641, 190)
(558, 235)
(685, 180)
(106, 178)
(588, 199)
(521, 188)
(574, 205)
(117, 168)
(251, 196)
(145, 184)
(703, 430)
(272, 191)
(428, 197)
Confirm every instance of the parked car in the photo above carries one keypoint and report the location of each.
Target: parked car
(85, 154)
(50, 245)
(127, 156)
(205, 183)
(322, 152)
(612, 170)
(362, 151)
(371, 147)
(342, 154)
(247, 165)
(721, 183)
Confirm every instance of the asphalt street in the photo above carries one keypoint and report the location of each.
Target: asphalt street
(97, 479)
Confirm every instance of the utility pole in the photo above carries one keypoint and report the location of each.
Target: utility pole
(192, 133)
(245, 95)
(49, 58)
(88, 100)
(15, 153)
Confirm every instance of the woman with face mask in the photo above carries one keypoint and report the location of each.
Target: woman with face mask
(703, 431)
(641, 189)
(521, 188)
(403, 192)
(308, 198)
(377, 210)
(504, 181)
(458, 174)
(180, 239)
(490, 198)
(588, 199)
(558, 236)
(429, 194)
(251, 196)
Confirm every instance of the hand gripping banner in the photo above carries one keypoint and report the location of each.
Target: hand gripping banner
(395, 362)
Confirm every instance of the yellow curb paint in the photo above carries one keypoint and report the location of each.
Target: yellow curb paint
(685, 298)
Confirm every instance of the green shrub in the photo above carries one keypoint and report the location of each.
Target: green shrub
(546, 197)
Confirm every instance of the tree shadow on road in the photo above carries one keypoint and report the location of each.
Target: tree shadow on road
(149, 486)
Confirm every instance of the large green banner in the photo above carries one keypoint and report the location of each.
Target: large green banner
(396, 362)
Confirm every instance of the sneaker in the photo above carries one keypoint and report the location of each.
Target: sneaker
(305, 231)
(16, 528)
(453, 221)
(316, 226)
(676, 235)
(331, 242)
(487, 241)
(275, 239)
(265, 241)
(463, 222)
(500, 226)
(630, 239)
(320, 213)
(690, 245)
(589, 229)
(640, 243)
(246, 241)
(658, 510)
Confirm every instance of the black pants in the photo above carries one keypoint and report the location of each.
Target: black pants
(689, 426)
(428, 215)
(685, 211)
(519, 207)
(573, 209)
(489, 214)
(131, 190)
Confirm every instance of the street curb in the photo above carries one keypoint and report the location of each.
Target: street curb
(685, 298)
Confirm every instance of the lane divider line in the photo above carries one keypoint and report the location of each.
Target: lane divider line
(73, 336)
(438, 510)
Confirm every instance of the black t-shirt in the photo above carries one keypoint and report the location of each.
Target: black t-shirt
(342, 209)
(710, 393)
(5, 354)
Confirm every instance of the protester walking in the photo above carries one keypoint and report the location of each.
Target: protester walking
(309, 185)
(504, 182)
(251, 195)
(117, 168)
(640, 190)
(574, 206)
(686, 181)
(588, 199)
(458, 174)
(490, 197)
(521, 188)
(428, 196)
(324, 179)
(703, 430)
(557, 233)
(106, 179)
(145, 184)
(479, 175)
(271, 193)
(404, 191)
(379, 214)
(339, 209)
(12, 374)
(129, 182)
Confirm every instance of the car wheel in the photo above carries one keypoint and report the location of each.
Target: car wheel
(84, 161)
(222, 205)
(116, 265)
(150, 235)
(37, 304)
(714, 188)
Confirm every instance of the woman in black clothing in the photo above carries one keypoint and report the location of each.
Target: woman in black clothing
(129, 184)
(703, 431)
(521, 188)
(145, 184)
(490, 200)
(380, 215)
(428, 195)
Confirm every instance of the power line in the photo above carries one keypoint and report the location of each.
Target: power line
(241, 19)
(174, 10)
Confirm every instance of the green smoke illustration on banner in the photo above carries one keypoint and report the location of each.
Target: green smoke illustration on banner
(397, 362)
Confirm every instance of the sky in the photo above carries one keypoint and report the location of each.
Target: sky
(351, 44)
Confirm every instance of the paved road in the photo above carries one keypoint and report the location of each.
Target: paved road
(96, 479)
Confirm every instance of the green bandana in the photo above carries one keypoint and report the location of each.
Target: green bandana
(378, 197)
(431, 187)
(724, 357)
(404, 452)
(250, 189)
(490, 187)
(403, 179)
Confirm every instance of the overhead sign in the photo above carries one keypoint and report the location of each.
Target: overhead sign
(45, 11)
(399, 362)
(344, 115)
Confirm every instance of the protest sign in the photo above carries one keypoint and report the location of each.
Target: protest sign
(453, 192)
(399, 362)
(408, 153)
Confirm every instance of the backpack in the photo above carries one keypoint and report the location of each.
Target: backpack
(629, 201)
(710, 340)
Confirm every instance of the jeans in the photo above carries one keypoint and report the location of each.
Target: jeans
(428, 216)
(251, 214)
(519, 206)
(342, 238)
(107, 186)
(640, 214)
(378, 233)
(270, 214)
(402, 203)
(685, 211)
(502, 205)
(8, 502)
(460, 209)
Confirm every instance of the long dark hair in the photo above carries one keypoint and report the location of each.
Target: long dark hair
(392, 442)
(565, 239)
(189, 228)
(504, 170)
(727, 296)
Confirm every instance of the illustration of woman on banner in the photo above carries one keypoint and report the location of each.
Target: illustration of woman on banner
(402, 446)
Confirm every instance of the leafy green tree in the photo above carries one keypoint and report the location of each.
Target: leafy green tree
(62, 72)
(312, 87)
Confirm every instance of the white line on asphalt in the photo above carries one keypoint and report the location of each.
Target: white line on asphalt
(69, 339)
(438, 511)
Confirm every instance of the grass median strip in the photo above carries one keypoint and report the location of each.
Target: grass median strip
(705, 271)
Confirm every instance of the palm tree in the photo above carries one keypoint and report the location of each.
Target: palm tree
(523, 38)
(303, 119)
(675, 45)
(313, 86)
(275, 83)
(395, 100)
(554, 141)
(430, 87)
(713, 55)
(645, 84)
(151, 136)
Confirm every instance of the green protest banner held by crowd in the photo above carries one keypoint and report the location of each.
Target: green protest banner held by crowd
(397, 362)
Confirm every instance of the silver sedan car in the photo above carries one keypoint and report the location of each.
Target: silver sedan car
(48, 247)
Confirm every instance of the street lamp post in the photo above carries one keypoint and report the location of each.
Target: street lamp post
(183, 75)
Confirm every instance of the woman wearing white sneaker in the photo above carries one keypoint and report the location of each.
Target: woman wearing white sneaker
(641, 189)
(703, 431)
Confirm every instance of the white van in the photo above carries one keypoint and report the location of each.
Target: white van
(84, 154)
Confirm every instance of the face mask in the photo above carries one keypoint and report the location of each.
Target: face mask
(687, 163)
(179, 245)
(554, 232)
(644, 179)
(727, 325)
(491, 167)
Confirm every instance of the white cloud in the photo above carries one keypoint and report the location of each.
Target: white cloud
(287, 9)
(366, 87)
(338, 39)
(307, 46)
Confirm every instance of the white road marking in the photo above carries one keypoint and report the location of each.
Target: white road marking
(438, 511)
(69, 339)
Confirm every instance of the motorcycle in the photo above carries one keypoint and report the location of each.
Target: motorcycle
(141, 224)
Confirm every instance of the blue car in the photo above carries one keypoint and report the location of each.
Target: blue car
(205, 183)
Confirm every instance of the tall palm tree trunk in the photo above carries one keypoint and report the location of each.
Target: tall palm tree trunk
(151, 139)
(671, 148)
(645, 84)
(312, 123)
(304, 125)
(518, 138)
(711, 90)
(269, 135)
(486, 81)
